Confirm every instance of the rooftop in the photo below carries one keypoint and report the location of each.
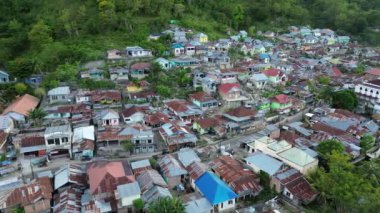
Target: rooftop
(297, 156)
(264, 162)
(59, 91)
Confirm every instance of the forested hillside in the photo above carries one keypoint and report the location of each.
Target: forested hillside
(38, 35)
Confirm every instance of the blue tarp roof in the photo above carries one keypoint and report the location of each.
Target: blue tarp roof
(214, 189)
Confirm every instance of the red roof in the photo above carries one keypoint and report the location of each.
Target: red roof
(196, 169)
(272, 72)
(336, 72)
(282, 99)
(131, 111)
(99, 95)
(241, 112)
(231, 171)
(156, 118)
(301, 189)
(177, 105)
(32, 141)
(106, 176)
(201, 96)
(328, 129)
(374, 71)
(225, 88)
(141, 66)
(23, 105)
(206, 122)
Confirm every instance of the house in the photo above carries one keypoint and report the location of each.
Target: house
(208, 85)
(187, 156)
(33, 197)
(177, 135)
(298, 159)
(140, 166)
(108, 117)
(104, 177)
(242, 181)
(164, 63)
(140, 70)
(343, 39)
(33, 146)
(144, 96)
(231, 94)
(141, 137)
(133, 115)
(59, 94)
(185, 111)
(195, 170)
(34, 80)
(203, 100)
(200, 205)
(106, 97)
(240, 119)
(149, 179)
(259, 80)
(71, 174)
(68, 200)
(156, 119)
(136, 52)
(6, 124)
(217, 192)
(189, 49)
(264, 57)
(4, 77)
(172, 171)
(178, 49)
(294, 186)
(19, 109)
(127, 193)
(119, 74)
(221, 59)
(204, 125)
(200, 37)
(84, 141)
(184, 61)
(114, 55)
(281, 103)
(368, 94)
(275, 76)
(179, 36)
(110, 137)
(259, 161)
(58, 137)
(92, 73)
(268, 146)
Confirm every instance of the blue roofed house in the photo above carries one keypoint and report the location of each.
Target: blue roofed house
(259, 80)
(217, 192)
(4, 77)
(164, 63)
(259, 161)
(343, 39)
(59, 94)
(265, 57)
(177, 49)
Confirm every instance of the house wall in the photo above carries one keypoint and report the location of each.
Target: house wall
(276, 185)
(60, 139)
(303, 169)
(81, 99)
(58, 98)
(111, 122)
(4, 79)
(128, 201)
(226, 205)
(144, 144)
(173, 181)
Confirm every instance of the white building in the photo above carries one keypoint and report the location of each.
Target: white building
(369, 95)
(136, 51)
(58, 137)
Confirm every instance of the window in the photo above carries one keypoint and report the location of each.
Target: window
(144, 147)
(50, 141)
(288, 194)
(149, 141)
(150, 147)
(54, 97)
(63, 97)
(221, 205)
(137, 142)
(65, 140)
(56, 141)
(230, 202)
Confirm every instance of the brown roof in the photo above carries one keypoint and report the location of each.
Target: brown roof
(111, 134)
(131, 111)
(241, 112)
(23, 105)
(177, 105)
(241, 180)
(206, 122)
(196, 169)
(326, 128)
(301, 189)
(140, 66)
(100, 95)
(105, 176)
(32, 141)
(156, 118)
(68, 200)
(39, 189)
(201, 96)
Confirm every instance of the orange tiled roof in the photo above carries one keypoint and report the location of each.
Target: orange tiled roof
(23, 105)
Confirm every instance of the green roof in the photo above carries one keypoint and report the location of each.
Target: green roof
(297, 156)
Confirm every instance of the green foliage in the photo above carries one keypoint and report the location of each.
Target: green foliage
(367, 142)
(325, 80)
(90, 84)
(167, 205)
(325, 148)
(18, 210)
(138, 204)
(39, 92)
(3, 157)
(36, 116)
(40, 35)
(128, 145)
(20, 88)
(153, 162)
(345, 99)
(343, 189)
(360, 69)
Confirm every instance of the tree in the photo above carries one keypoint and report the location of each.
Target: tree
(367, 142)
(167, 205)
(345, 99)
(20, 88)
(153, 163)
(39, 92)
(36, 116)
(325, 80)
(138, 204)
(128, 145)
(325, 148)
(40, 35)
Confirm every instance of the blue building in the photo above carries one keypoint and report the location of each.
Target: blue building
(217, 192)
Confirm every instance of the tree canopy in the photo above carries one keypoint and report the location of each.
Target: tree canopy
(345, 99)
(325, 148)
(166, 205)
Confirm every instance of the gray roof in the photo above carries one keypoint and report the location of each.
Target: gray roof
(58, 129)
(140, 164)
(150, 178)
(5, 122)
(338, 123)
(200, 205)
(59, 91)
(264, 162)
(171, 167)
(298, 127)
(286, 174)
(128, 190)
(154, 193)
(4, 73)
(187, 156)
(259, 77)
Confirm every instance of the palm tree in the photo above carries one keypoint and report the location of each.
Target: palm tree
(36, 115)
(167, 205)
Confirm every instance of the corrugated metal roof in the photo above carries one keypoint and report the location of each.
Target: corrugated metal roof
(264, 162)
(128, 190)
(187, 156)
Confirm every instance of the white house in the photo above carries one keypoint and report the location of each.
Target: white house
(164, 63)
(109, 117)
(6, 123)
(59, 94)
(127, 193)
(133, 115)
(136, 51)
(58, 137)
